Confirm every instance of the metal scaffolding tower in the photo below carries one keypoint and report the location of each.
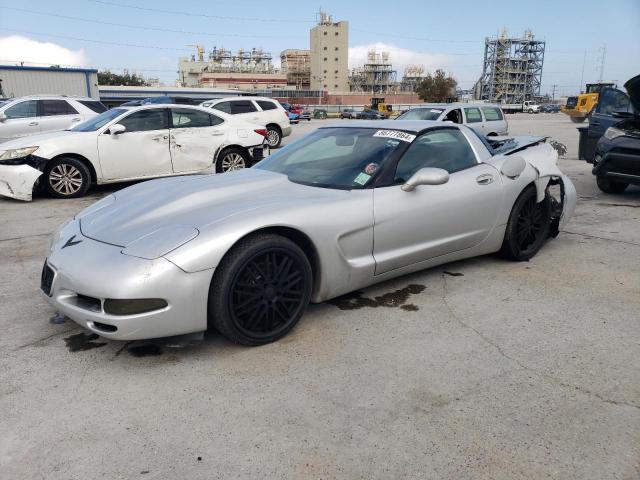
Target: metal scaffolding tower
(512, 70)
(375, 76)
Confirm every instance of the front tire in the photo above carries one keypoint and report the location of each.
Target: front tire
(528, 226)
(274, 137)
(578, 119)
(260, 290)
(232, 159)
(610, 186)
(66, 177)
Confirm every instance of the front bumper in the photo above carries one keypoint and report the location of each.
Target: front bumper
(286, 131)
(620, 166)
(87, 273)
(17, 181)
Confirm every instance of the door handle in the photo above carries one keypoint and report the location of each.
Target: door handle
(485, 179)
(33, 124)
(217, 133)
(76, 120)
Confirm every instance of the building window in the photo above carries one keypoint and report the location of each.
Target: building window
(325, 34)
(325, 48)
(336, 71)
(325, 59)
(325, 71)
(325, 85)
(336, 34)
(336, 49)
(335, 86)
(336, 59)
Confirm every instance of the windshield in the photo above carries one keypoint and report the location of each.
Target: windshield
(98, 121)
(421, 114)
(342, 158)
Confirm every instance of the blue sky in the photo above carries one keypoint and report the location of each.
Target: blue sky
(439, 34)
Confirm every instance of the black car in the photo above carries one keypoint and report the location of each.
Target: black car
(550, 108)
(371, 115)
(616, 158)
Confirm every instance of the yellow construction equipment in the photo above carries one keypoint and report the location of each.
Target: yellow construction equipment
(579, 107)
(200, 50)
(378, 105)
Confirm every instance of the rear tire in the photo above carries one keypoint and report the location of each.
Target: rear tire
(260, 290)
(528, 227)
(274, 137)
(232, 159)
(609, 186)
(66, 177)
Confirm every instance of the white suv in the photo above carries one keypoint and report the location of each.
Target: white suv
(260, 110)
(45, 113)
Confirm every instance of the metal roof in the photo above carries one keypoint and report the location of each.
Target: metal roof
(48, 69)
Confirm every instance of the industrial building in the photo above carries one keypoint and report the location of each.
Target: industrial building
(377, 76)
(296, 65)
(512, 69)
(255, 67)
(17, 81)
(330, 55)
(413, 76)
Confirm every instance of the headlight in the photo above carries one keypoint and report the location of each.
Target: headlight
(613, 132)
(16, 153)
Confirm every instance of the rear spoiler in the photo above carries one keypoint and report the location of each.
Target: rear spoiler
(510, 145)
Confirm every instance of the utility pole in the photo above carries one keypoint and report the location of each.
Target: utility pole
(584, 61)
(553, 93)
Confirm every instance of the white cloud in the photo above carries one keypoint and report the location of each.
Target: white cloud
(14, 49)
(399, 57)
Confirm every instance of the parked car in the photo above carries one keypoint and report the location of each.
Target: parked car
(305, 114)
(349, 113)
(370, 115)
(613, 106)
(125, 144)
(486, 119)
(45, 113)
(550, 108)
(616, 163)
(261, 110)
(245, 252)
(294, 118)
(166, 100)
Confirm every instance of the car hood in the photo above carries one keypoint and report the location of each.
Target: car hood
(39, 139)
(633, 89)
(190, 202)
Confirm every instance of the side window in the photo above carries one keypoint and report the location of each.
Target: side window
(454, 116)
(242, 106)
(223, 107)
(51, 108)
(215, 120)
(612, 101)
(145, 120)
(447, 149)
(26, 109)
(187, 118)
(265, 105)
(96, 106)
(473, 115)
(492, 114)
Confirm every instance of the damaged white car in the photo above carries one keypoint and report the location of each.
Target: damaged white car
(343, 208)
(126, 144)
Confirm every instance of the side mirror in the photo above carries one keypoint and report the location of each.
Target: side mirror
(513, 166)
(3, 117)
(426, 176)
(117, 129)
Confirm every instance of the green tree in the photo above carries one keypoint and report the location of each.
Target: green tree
(130, 80)
(437, 87)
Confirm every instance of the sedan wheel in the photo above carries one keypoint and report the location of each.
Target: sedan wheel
(528, 227)
(260, 290)
(273, 137)
(67, 178)
(232, 159)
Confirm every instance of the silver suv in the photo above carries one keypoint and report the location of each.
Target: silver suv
(485, 118)
(45, 113)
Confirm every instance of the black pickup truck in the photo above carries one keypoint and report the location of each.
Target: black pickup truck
(612, 140)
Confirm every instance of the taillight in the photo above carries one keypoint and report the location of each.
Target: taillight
(262, 131)
(286, 114)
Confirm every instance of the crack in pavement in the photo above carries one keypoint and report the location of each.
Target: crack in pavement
(26, 236)
(502, 353)
(586, 235)
(619, 205)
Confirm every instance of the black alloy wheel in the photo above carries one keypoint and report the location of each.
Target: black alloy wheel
(260, 290)
(528, 227)
(610, 186)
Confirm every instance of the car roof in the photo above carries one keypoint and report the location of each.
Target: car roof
(226, 99)
(454, 105)
(414, 126)
(54, 97)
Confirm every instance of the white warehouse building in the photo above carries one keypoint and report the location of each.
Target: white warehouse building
(18, 81)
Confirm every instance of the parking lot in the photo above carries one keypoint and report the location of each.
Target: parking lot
(492, 370)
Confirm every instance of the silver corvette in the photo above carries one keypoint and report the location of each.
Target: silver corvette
(343, 208)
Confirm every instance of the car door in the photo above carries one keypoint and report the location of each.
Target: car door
(194, 138)
(494, 121)
(434, 220)
(20, 119)
(142, 150)
(602, 117)
(473, 119)
(57, 115)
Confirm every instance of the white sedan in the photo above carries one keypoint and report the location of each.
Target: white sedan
(126, 144)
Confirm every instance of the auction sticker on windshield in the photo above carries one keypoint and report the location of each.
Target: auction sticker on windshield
(405, 137)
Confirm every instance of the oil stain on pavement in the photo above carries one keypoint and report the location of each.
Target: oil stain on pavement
(83, 341)
(397, 298)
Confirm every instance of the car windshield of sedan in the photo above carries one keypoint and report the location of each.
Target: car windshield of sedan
(421, 114)
(98, 121)
(341, 158)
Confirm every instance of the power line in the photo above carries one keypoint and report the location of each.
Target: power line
(140, 27)
(193, 14)
(409, 37)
